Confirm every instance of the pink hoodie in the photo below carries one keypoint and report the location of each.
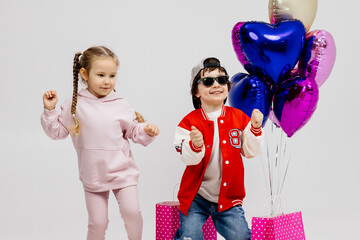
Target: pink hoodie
(104, 156)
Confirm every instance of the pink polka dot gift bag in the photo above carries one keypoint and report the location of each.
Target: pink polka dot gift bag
(280, 227)
(168, 222)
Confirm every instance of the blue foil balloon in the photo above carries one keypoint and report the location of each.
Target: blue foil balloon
(272, 49)
(249, 92)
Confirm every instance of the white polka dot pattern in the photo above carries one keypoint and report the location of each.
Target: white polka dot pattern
(168, 222)
(282, 227)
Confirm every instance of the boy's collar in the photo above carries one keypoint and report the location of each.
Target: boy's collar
(205, 115)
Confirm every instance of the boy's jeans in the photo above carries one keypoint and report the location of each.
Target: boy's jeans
(231, 224)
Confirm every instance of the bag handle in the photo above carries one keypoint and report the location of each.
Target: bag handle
(277, 205)
(178, 184)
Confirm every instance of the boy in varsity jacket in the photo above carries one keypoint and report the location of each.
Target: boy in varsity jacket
(211, 140)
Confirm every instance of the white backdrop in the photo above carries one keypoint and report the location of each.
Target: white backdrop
(157, 43)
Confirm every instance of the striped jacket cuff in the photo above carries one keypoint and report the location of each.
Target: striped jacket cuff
(194, 148)
(256, 131)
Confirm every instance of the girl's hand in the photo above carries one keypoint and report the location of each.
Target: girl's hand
(50, 99)
(256, 118)
(196, 137)
(151, 130)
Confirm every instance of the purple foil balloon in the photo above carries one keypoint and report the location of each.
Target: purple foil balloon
(319, 57)
(273, 118)
(237, 46)
(295, 102)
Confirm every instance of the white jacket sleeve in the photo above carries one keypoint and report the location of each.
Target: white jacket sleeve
(182, 145)
(250, 143)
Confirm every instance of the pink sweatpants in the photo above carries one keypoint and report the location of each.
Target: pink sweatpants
(97, 206)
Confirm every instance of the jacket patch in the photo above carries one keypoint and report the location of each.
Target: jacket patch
(179, 148)
(235, 138)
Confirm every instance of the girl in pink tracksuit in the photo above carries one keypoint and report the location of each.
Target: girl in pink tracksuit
(100, 122)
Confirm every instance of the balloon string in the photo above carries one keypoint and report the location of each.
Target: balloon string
(271, 169)
(287, 166)
(272, 165)
(287, 159)
(269, 166)
(276, 159)
(280, 159)
(266, 164)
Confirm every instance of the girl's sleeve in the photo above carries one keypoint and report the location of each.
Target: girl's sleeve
(189, 153)
(137, 134)
(251, 141)
(54, 124)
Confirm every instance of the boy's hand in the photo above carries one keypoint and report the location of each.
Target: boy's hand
(50, 99)
(196, 137)
(151, 130)
(256, 118)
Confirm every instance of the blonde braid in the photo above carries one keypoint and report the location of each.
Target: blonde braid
(139, 117)
(76, 68)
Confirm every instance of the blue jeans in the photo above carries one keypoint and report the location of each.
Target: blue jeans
(231, 224)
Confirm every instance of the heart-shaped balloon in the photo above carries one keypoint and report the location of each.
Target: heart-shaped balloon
(237, 48)
(249, 92)
(273, 118)
(303, 10)
(319, 56)
(295, 102)
(235, 36)
(272, 50)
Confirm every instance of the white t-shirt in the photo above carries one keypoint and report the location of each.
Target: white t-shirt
(210, 186)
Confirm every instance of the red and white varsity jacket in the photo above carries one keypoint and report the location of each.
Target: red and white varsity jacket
(236, 136)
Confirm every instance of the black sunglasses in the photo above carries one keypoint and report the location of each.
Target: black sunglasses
(209, 81)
